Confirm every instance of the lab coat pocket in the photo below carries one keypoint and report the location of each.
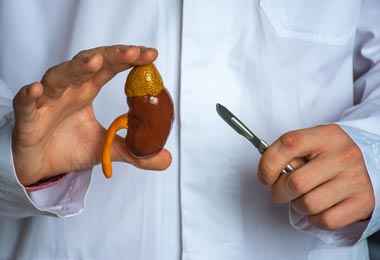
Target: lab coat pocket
(324, 21)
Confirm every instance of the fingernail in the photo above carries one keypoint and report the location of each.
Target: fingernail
(143, 48)
(122, 49)
(85, 59)
(28, 89)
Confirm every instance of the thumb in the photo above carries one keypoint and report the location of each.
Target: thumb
(121, 153)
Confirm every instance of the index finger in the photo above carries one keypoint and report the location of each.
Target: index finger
(121, 57)
(99, 64)
(118, 58)
(294, 148)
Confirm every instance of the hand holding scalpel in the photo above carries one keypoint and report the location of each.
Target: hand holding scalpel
(240, 128)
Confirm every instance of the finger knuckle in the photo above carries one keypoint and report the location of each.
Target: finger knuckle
(332, 129)
(49, 72)
(277, 197)
(368, 205)
(48, 76)
(350, 154)
(325, 221)
(297, 184)
(308, 204)
(368, 201)
(357, 180)
(290, 139)
(265, 167)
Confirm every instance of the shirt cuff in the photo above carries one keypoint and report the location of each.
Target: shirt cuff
(346, 236)
(64, 199)
(353, 234)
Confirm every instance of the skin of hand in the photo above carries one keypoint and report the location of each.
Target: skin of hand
(55, 127)
(330, 184)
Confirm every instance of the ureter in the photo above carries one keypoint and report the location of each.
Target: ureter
(120, 122)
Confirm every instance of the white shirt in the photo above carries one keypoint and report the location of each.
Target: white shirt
(279, 65)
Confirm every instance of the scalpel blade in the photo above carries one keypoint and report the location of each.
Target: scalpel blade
(240, 128)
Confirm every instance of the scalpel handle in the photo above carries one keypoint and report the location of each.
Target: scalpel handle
(263, 146)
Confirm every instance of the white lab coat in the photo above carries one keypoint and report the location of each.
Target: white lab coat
(279, 65)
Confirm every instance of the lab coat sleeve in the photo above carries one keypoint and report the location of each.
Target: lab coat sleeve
(63, 199)
(362, 123)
